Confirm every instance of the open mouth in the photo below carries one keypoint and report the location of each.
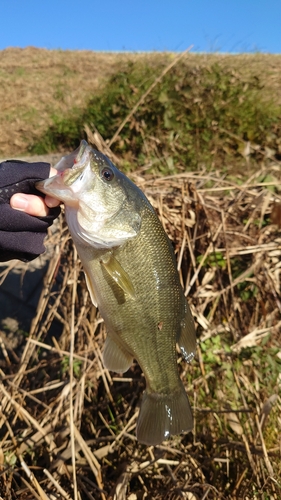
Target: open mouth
(68, 181)
(69, 160)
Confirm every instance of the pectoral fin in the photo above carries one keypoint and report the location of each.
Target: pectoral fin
(115, 358)
(116, 271)
(187, 336)
(91, 289)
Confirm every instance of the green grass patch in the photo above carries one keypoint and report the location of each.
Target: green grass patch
(196, 116)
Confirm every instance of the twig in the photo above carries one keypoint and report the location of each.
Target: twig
(144, 96)
(71, 377)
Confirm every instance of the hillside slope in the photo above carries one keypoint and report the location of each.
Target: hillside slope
(36, 84)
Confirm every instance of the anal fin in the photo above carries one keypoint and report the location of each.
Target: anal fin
(115, 358)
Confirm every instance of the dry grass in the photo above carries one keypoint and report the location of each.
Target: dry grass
(71, 433)
(36, 84)
(68, 425)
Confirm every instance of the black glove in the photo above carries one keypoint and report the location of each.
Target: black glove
(22, 235)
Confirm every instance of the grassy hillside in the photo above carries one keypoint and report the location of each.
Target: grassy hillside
(208, 111)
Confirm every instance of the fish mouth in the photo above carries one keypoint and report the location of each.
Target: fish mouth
(57, 186)
(69, 160)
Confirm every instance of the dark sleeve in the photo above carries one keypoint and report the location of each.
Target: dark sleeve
(22, 235)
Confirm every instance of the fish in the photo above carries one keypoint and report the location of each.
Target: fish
(132, 278)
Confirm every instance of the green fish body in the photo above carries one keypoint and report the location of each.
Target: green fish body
(132, 278)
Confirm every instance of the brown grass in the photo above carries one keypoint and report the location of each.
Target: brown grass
(63, 433)
(67, 425)
(35, 84)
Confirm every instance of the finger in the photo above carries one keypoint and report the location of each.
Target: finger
(51, 202)
(53, 172)
(29, 203)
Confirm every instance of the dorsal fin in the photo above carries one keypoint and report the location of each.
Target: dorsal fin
(187, 337)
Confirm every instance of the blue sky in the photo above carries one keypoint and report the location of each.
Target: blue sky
(143, 25)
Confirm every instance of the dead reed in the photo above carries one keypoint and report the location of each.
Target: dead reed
(68, 425)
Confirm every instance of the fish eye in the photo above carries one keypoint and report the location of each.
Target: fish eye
(107, 174)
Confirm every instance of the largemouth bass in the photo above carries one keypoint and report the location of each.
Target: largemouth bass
(132, 278)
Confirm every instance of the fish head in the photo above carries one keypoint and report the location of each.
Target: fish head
(100, 203)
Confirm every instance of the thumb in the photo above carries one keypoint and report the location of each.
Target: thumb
(29, 203)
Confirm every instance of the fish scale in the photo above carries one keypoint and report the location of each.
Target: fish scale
(136, 321)
(132, 277)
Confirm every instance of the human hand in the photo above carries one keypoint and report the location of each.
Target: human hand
(33, 204)
(22, 231)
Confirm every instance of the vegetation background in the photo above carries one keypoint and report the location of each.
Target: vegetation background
(201, 135)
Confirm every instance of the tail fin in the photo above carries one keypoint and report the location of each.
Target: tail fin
(163, 415)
